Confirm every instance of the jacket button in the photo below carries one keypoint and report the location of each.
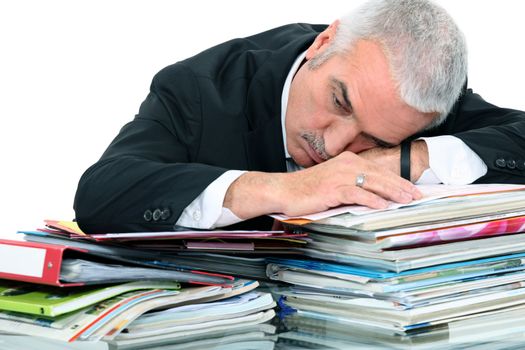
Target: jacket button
(148, 215)
(501, 163)
(165, 214)
(511, 164)
(156, 214)
(520, 164)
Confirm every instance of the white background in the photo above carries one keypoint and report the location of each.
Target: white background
(73, 72)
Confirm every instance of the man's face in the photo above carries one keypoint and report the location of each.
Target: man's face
(348, 103)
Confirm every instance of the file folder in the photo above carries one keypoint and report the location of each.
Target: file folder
(34, 262)
(42, 263)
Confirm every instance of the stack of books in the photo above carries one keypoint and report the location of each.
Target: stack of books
(450, 266)
(447, 268)
(123, 297)
(240, 253)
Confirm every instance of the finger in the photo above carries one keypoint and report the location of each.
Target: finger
(390, 186)
(357, 195)
(379, 180)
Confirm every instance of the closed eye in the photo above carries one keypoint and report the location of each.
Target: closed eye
(339, 105)
(344, 104)
(336, 102)
(340, 97)
(378, 142)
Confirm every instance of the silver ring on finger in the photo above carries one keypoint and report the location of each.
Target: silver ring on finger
(360, 180)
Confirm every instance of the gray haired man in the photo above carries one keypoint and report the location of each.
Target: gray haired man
(377, 94)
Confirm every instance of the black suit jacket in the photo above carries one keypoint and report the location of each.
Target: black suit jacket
(221, 110)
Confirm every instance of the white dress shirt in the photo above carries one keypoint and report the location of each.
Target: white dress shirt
(451, 162)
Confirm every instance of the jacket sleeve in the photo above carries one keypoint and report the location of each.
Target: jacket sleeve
(147, 176)
(496, 135)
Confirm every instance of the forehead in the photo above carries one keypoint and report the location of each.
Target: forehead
(373, 92)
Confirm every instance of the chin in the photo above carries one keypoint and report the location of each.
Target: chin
(302, 159)
(306, 162)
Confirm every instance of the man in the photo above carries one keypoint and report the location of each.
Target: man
(215, 141)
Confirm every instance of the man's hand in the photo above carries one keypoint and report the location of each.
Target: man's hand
(326, 185)
(389, 158)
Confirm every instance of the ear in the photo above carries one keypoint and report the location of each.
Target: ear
(323, 40)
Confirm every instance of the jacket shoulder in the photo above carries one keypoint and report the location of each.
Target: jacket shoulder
(243, 55)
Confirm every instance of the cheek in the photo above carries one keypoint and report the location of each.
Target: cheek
(317, 109)
(309, 110)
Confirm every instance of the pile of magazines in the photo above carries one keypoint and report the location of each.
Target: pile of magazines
(448, 268)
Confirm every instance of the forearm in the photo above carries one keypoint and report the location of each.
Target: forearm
(254, 194)
(318, 188)
(503, 151)
(389, 158)
(493, 133)
(452, 161)
(446, 158)
(207, 210)
(121, 194)
(419, 159)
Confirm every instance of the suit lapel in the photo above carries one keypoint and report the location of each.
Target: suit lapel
(265, 147)
(264, 143)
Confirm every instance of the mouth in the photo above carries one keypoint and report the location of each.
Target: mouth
(313, 154)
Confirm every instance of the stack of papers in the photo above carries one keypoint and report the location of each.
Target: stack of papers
(412, 269)
(149, 312)
(491, 332)
(241, 253)
(62, 285)
(243, 312)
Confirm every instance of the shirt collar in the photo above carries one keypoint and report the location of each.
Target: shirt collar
(285, 95)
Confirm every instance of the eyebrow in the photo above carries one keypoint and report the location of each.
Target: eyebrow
(348, 106)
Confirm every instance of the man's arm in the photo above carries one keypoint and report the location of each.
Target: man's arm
(389, 158)
(233, 195)
(207, 211)
(496, 135)
(318, 188)
(148, 175)
(440, 159)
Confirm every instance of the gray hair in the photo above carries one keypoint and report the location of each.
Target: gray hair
(425, 49)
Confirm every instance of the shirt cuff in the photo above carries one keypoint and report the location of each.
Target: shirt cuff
(206, 211)
(452, 161)
(428, 178)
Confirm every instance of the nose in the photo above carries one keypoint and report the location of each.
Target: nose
(339, 136)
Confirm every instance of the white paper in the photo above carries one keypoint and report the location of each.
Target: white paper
(430, 192)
